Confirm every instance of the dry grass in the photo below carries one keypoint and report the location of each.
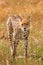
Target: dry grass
(24, 8)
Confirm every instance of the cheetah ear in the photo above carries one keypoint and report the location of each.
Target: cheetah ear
(29, 19)
(19, 17)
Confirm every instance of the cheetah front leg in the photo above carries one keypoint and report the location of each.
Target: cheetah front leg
(10, 35)
(15, 47)
(25, 46)
(14, 50)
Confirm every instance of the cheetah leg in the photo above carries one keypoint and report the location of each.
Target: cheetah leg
(14, 50)
(15, 47)
(26, 47)
(10, 35)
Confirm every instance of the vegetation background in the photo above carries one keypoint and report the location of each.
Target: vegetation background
(24, 8)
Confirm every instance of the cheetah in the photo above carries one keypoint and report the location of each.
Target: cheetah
(16, 32)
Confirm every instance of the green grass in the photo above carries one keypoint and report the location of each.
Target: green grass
(32, 60)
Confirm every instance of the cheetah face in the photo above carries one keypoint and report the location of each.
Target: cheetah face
(25, 27)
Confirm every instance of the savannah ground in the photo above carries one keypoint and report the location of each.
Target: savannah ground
(24, 8)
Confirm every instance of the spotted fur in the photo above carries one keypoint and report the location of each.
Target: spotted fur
(16, 32)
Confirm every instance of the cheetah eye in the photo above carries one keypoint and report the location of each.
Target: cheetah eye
(26, 23)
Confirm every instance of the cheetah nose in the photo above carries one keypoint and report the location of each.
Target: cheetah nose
(24, 29)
